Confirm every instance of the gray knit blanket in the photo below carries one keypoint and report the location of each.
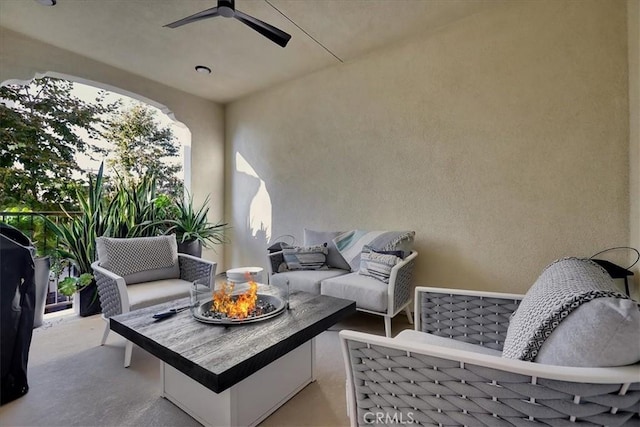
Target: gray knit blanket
(562, 287)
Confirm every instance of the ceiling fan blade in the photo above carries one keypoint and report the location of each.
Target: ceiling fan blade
(205, 14)
(269, 31)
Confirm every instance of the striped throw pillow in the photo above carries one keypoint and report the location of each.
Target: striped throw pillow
(351, 243)
(377, 265)
(305, 257)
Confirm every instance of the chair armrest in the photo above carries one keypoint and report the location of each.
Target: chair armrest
(475, 317)
(437, 384)
(112, 290)
(197, 269)
(400, 278)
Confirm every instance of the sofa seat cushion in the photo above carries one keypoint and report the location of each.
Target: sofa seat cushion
(156, 292)
(367, 292)
(305, 280)
(417, 337)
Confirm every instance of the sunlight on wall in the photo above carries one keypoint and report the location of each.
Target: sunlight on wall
(260, 206)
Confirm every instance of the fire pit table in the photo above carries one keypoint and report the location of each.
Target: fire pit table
(228, 375)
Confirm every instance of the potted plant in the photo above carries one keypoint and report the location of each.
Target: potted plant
(191, 227)
(77, 239)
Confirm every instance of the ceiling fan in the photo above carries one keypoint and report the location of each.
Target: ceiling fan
(227, 9)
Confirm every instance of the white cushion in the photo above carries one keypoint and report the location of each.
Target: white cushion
(414, 337)
(305, 280)
(603, 332)
(367, 292)
(158, 291)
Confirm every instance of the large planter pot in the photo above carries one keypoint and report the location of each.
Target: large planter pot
(191, 247)
(41, 276)
(86, 302)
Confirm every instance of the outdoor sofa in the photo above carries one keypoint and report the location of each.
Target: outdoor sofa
(372, 268)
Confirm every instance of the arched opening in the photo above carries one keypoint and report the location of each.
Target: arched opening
(33, 223)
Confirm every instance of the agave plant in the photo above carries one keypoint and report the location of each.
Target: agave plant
(191, 225)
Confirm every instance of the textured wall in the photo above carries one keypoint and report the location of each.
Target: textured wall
(21, 58)
(502, 140)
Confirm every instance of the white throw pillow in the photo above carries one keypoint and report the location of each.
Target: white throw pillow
(602, 332)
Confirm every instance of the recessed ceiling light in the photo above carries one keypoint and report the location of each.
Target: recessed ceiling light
(203, 70)
(47, 2)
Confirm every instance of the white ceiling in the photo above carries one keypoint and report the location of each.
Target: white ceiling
(129, 34)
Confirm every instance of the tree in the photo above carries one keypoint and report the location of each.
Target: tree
(43, 125)
(142, 146)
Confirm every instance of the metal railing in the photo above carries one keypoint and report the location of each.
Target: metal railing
(45, 242)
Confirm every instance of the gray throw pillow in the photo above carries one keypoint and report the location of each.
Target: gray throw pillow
(563, 287)
(602, 332)
(377, 265)
(334, 259)
(140, 259)
(305, 257)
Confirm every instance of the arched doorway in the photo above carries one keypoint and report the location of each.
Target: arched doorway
(32, 221)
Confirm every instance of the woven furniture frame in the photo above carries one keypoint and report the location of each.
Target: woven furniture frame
(114, 298)
(394, 381)
(399, 291)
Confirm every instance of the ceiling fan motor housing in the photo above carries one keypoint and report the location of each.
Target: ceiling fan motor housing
(227, 8)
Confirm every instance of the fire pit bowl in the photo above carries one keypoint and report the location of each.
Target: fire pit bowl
(267, 307)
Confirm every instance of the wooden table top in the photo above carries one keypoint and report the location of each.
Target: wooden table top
(219, 356)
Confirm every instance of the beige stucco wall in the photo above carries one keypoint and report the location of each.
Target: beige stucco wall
(502, 140)
(21, 58)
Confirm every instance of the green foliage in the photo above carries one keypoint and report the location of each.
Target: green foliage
(71, 285)
(142, 147)
(134, 210)
(43, 125)
(77, 238)
(191, 223)
(133, 207)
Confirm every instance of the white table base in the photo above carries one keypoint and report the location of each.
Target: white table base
(248, 402)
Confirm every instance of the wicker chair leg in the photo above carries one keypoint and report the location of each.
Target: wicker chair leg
(128, 349)
(106, 332)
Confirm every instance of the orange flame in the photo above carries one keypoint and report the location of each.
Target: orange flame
(235, 306)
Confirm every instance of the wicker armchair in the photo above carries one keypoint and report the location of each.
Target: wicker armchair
(116, 296)
(440, 381)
